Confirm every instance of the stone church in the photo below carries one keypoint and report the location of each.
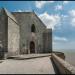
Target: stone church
(23, 33)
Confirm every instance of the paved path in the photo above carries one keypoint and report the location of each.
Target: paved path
(41, 65)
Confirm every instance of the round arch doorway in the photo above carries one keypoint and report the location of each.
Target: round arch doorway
(32, 47)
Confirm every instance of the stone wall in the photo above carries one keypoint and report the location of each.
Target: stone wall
(62, 66)
(13, 37)
(25, 20)
(47, 40)
(3, 33)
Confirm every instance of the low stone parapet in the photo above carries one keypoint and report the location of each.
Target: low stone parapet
(60, 54)
(63, 66)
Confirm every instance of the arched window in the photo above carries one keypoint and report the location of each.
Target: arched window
(33, 28)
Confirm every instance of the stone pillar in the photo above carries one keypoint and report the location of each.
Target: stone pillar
(35, 47)
(28, 47)
(28, 51)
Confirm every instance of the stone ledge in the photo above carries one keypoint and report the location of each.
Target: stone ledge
(29, 56)
(63, 66)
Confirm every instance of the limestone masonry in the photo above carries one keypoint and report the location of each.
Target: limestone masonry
(23, 33)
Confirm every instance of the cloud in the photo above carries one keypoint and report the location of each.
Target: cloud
(50, 20)
(73, 22)
(64, 46)
(40, 4)
(19, 11)
(65, 2)
(72, 17)
(58, 7)
(60, 39)
(22, 10)
(72, 12)
(64, 16)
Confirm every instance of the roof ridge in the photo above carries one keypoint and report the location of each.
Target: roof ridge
(9, 14)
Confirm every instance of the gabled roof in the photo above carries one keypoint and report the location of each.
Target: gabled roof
(31, 14)
(39, 19)
(9, 14)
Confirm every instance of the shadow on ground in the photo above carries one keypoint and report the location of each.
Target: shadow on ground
(55, 67)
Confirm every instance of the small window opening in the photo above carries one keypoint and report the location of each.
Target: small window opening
(33, 28)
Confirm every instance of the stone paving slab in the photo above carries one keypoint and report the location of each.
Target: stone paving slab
(31, 66)
(29, 56)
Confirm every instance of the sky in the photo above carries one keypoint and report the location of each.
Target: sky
(58, 15)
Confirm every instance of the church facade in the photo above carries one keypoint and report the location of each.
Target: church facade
(23, 33)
